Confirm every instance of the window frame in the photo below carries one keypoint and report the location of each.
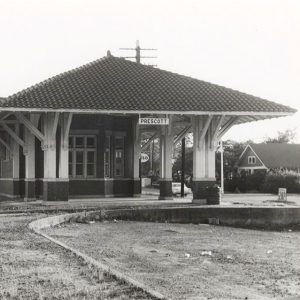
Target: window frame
(85, 149)
(251, 160)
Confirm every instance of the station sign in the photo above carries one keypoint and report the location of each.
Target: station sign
(144, 157)
(153, 121)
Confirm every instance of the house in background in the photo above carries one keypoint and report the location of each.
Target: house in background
(270, 157)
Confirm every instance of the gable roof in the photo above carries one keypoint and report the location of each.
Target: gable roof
(278, 155)
(117, 85)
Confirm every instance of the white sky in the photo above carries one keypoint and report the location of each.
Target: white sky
(252, 46)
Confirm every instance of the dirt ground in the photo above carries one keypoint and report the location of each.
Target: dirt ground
(33, 268)
(175, 259)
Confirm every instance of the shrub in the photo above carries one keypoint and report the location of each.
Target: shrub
(255, 180)
(275, 181)
(245, 183)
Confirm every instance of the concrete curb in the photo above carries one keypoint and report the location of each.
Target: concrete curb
(37, 225)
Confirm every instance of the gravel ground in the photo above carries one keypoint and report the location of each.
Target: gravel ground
(32, 267)
(175, 259)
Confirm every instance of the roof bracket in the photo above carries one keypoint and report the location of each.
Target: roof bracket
(227, 126)
(13, 134)
(216, 131)
(30, 126)
(204, 130)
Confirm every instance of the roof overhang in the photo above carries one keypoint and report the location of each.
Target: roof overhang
(247, 116)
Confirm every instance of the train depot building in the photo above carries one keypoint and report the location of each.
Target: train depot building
(78, 134)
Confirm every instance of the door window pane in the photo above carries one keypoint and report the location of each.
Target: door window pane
(79, 142)
(79, 169)
(90, 142)
(119, 156)
(79, 157)
(119, 142)
(107, 157)
(90, 157)
(90, 170)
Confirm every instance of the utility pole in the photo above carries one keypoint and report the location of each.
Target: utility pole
(182, 165)
(138, 50)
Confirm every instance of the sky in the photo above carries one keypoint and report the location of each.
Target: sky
(252, 46)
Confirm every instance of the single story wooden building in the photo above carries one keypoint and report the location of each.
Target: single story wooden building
(78, 134)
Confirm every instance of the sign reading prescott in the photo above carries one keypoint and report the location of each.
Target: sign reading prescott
(144, 157)
(153, 121)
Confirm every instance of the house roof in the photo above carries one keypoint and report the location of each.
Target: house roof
(117, 85)
(278, 155)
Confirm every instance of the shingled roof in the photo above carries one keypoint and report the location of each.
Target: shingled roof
(114, 84)
(278, 155)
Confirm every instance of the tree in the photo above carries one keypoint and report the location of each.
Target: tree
(232, 151)
(287, 136)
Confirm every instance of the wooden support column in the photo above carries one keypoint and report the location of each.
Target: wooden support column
(65, 124)
(16, 163)
(16, 155)
(29, 153)
(63, 169)
(166, 152)
(51, 187)
(205, 130)
(136, 158)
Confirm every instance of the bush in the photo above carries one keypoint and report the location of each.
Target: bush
(245, 183)
(275, 181)
(255, 180)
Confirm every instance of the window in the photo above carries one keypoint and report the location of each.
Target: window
(119, 156)
(107, 157)
(82, 156)
(251, 160)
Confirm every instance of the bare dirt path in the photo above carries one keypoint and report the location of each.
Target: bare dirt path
(33, 268)
(175, 260)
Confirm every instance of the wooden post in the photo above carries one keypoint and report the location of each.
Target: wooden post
(166, 151)
(49, 148)
(65, 123)
(51, 188)
(16, 164)
(199, 148)
(204, 179)
(182, 165)
(63, 165)
(29, 153)
(16, 155)
(222, 166)
(136, 158)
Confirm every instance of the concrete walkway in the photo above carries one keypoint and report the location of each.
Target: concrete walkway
(144, 201)
(89, 204)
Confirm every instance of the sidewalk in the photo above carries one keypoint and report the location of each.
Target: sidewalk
(89, 204)
(146, 200)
